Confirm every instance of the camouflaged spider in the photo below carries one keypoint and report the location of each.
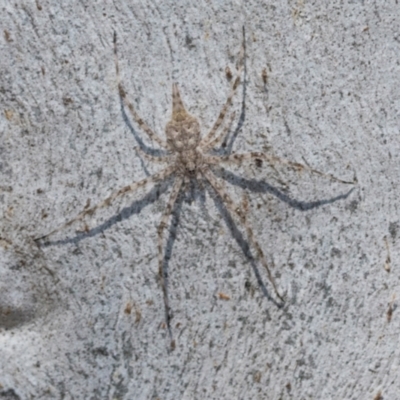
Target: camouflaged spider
(188, 156)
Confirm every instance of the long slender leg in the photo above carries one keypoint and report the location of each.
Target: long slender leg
(217, 140)
(228, 102)
(158, 160)
(135, 115)
(239, 158)
(167, 213)
(219, 187)
(126, 189)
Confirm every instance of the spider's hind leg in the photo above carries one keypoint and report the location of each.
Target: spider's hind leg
(239, 211)
(121, 192)
(162, 273)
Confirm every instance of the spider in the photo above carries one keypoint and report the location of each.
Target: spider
(188, 156)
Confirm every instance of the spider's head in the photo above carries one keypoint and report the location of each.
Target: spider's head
(183, 130)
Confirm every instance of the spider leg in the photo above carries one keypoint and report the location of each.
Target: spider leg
(220, 138)
(239, 158)
(219, 188)
(160, 230)
(126, 189)
(128, 104)
(228, 102)
(158, 160)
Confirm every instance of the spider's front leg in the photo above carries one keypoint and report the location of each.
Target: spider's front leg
(205, 143)
(220, 138)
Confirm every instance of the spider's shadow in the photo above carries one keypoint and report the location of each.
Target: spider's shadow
(257, 186)
(134, 208)
(196, 192)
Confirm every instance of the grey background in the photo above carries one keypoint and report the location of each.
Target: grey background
(83, 319)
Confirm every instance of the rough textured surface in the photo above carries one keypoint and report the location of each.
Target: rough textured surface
(84, 319)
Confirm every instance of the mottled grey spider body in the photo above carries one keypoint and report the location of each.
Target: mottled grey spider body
(183, 138)
(188, 157)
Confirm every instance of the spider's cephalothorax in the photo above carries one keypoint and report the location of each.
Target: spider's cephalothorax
(188, 157)
(183, 137)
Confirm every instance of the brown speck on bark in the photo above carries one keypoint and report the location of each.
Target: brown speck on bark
(228, 73)
(264, 76)
(7, 36)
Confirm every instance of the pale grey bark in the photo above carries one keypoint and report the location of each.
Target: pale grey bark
(83, 319)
